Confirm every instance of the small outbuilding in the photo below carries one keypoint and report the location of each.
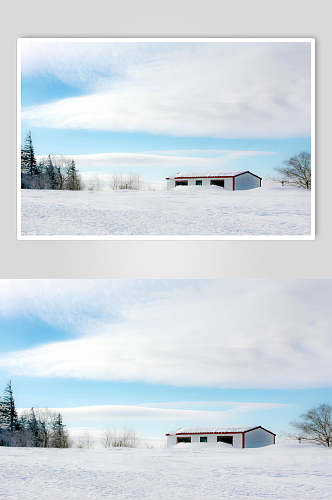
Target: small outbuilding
(238, 437)
(231, 181)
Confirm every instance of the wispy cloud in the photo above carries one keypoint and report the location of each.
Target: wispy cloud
(203, 405)
(179, 412)
(231, 153)
(169, 159)
(235, 334)
(217, 90)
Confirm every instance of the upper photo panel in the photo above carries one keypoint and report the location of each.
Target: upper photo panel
(132, 138)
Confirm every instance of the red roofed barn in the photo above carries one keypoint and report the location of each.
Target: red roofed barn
(232, 181)
(238, 437)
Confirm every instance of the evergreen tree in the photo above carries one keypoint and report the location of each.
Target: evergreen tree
(8, 413)
(37, 427)
(34, 428)
(55, 172)
(73, 181)
(43, 178)
(60, 179)
(28, 160)
(59, 437)
(3, 420)
(50, 172)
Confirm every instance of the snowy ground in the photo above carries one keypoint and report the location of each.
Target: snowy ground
(274, 472)
(182, 211)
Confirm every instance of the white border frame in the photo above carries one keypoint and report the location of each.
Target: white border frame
(311, 236)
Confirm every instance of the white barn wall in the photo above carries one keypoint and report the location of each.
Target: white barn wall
(258, 438)
(237, 440)
(228, 183)
(205, 182)
(246, 181)
(211, 439)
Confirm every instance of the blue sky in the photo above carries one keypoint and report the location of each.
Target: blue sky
(156, 354)
(219, 106)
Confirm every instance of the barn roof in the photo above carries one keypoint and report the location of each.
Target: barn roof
(208, 428)
(211, 173)
(216, 430)
(199, 175)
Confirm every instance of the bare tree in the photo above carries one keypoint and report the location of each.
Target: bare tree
(316, 425)
(130, 181)
(91, 183)
(115, 182)
(107, 439)
(84, 440)
(125, 438)
(297, 171)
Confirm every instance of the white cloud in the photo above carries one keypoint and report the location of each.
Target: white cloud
(87, 65)
(236, 334)
(162, 411)
(70, 305)
(202, 405)
(217, 90)
(171, 159)
(231, 153)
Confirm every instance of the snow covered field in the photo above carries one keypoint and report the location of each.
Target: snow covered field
(211, 211)
(274, 472)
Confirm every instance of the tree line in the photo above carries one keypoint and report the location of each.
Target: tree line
(296, 171)
(315, 426)
(115, 182)
(53, 172)
(34, 428)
